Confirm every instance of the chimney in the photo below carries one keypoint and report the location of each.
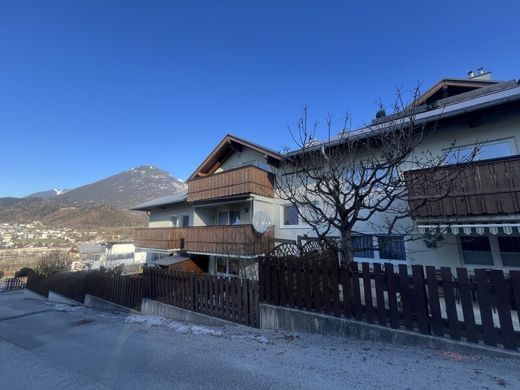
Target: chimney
(481, 74)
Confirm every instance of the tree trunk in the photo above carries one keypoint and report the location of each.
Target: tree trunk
(346, 247)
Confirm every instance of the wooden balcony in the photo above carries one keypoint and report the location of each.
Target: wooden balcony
(490, 187)
(234, 240)
(245, 180)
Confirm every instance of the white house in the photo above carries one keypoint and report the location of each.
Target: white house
(230, 213)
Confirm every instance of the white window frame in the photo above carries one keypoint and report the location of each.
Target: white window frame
(377, 257)
(496, 254)
(509, 140)
(300, 225)
(228, 211)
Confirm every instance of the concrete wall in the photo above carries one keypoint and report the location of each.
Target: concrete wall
(292, 320)
(178, 314)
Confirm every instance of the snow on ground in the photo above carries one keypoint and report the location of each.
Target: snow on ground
(231, 332)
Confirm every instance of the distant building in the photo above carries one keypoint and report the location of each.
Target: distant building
(109, 255)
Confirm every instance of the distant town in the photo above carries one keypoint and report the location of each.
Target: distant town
(36, 235)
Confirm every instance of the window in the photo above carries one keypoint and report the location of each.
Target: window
(221, 265)
(509, 250)
(485, 151)
(227, 266)
(174, 220)
(229, 217)
(290, 215)
(223, 218)
(185, 222)
(476, 250)
(234, 217)
(363, 246)
(391, 247)
(494, 150)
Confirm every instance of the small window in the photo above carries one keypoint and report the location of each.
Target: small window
(391, 247)
(509, 250)
(476, 250)
(185, 220)
(223, 218)
(363, 246)
(290, 215)
(234, 217)
(174, 220)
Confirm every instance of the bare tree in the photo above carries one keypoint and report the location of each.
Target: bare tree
(55, 261)
(359, 177)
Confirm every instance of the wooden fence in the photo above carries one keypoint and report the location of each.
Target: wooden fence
(68, 284)
(11, 284)
(122, 290)
(482, 307)
(232, 299)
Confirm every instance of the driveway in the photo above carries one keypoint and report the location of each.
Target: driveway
(45, 346)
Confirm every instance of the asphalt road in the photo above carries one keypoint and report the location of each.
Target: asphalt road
(45, 346)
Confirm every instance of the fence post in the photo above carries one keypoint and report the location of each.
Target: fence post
(193, 291)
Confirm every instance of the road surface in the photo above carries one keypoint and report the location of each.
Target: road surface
(44, 346)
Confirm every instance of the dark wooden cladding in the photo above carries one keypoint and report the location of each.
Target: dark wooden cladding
(239, 181)
(490, 187)
(479, 307)
(237, 240)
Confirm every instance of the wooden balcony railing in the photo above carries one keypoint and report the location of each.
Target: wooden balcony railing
(245, 180)
(234, 240)
(490, 187)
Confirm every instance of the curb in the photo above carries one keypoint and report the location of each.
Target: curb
(289, 319)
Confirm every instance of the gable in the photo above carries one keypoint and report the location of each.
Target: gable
(233, 152)
(450, 87)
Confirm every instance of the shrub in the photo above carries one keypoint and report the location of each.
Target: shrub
(55, 261)
(23, 272)
(1, 274)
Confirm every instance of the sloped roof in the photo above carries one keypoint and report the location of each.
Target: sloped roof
(179, 197)
(225, 148)
(468, 84)
(490, 96)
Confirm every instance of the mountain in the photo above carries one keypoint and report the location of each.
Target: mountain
(48, 194)
(52, 212)
(126, 189)
(122, 190)
(102, 204)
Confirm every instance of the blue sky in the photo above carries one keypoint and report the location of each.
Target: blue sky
(91, 88)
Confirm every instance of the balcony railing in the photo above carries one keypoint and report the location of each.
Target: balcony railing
(234, 240)
(246, 180)
(490, 187)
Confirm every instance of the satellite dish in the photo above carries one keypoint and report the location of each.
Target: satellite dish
(261, 222)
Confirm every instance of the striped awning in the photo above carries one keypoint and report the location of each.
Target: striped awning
(472, 229)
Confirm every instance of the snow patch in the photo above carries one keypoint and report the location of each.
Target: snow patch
(148, 320)
(64, 307)
(179, 327)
